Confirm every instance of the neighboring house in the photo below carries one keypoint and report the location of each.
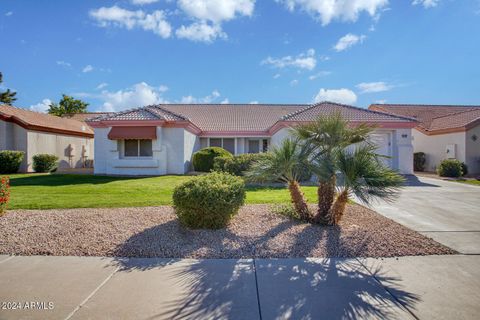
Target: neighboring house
(443, 132)
(36, 133)
(161, 139)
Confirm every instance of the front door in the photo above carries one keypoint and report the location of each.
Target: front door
(384, 146)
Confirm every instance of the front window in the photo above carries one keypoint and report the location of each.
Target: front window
(138, 148)
(253, 146)
(225, 143)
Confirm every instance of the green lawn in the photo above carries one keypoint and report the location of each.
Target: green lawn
(45, 191)
(472, 182)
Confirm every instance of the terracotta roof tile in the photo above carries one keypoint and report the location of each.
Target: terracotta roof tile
(433, 117)
(43, 122)
(84, 116)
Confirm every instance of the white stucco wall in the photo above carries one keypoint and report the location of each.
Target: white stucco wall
(172, 153)
(434, 147)
(3, 135)
(401, 149)
(472, 152)
(14, 137)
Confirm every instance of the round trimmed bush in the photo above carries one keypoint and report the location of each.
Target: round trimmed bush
(45, 162)
(204, 158)
(10, 161)
(450, 168)
(209, 201)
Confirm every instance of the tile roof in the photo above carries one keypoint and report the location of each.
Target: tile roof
(246, 117)
(433, 118)
(350, 113)
(44, 122)
(84, 116)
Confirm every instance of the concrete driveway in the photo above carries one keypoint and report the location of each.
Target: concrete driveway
(447, 211)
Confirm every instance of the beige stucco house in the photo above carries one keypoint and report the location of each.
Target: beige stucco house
(35, 133)
(161, 139)
(443, 132)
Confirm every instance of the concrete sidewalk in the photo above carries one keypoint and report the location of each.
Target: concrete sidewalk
(432, 287)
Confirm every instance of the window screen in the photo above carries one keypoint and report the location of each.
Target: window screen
(131, 148)
(229, 145)
(146, 148)
(253, 146)
(216, 142)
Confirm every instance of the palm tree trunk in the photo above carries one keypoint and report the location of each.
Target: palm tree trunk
(326, 195)
(338, 208)
(298, 200)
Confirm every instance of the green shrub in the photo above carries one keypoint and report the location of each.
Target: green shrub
(10, 161)
(450, 168)
(419, 160)
(209, 201)
(203, 159)
(464, 169)
(238, 164)
(45, 162)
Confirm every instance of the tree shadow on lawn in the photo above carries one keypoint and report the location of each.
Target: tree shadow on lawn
(52, 180)
(298, 288)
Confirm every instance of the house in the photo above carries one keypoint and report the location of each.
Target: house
(161, 139)
(36, 133)
(442, 132)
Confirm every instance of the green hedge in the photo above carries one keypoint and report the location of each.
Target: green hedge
(419, 160)
(236, 165)
(450, 168)
(10, 161)
(203, 159)
(45, 162)
(209, 201)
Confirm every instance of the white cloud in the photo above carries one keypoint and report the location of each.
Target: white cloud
(343, 10)
(348, 41)
(225, 101)
(119, 17)
(201, 32)
(217, 11)
(8, 14)
(139, 95)
(64, 64)
(101, 85)
(41, 106)
(276, 76)
(343, 95)
(368, 87)
(207, 99)
(87, 68)
(304, 60)
(253, 102)
(426, 3)
(143, 2)
(294, 82)
(319, 75)
(381, 101)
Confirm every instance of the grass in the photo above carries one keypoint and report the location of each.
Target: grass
(56, 191)
(470, 181)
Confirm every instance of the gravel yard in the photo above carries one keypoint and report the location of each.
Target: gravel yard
(254, 232)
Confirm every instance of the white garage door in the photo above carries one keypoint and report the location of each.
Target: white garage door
(384, 145)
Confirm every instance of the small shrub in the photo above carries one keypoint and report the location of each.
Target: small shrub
(238, 164)
(450, 168)
(419, 160)
(10, 161)
(464, 169)
(287, 210)
(45, 162)
(204, 158)
(209, 201)
(4, 194)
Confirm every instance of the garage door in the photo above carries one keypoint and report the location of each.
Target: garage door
(384, 145)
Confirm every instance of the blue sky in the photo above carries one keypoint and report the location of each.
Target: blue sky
(124, 54)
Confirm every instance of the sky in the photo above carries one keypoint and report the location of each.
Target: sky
(119, 55)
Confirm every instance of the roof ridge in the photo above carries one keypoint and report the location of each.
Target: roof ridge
(456, 113)
(171, 112)
(425, 105)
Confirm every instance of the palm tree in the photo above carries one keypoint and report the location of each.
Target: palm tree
(286, 163)
(323, 138)
(363, 174)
